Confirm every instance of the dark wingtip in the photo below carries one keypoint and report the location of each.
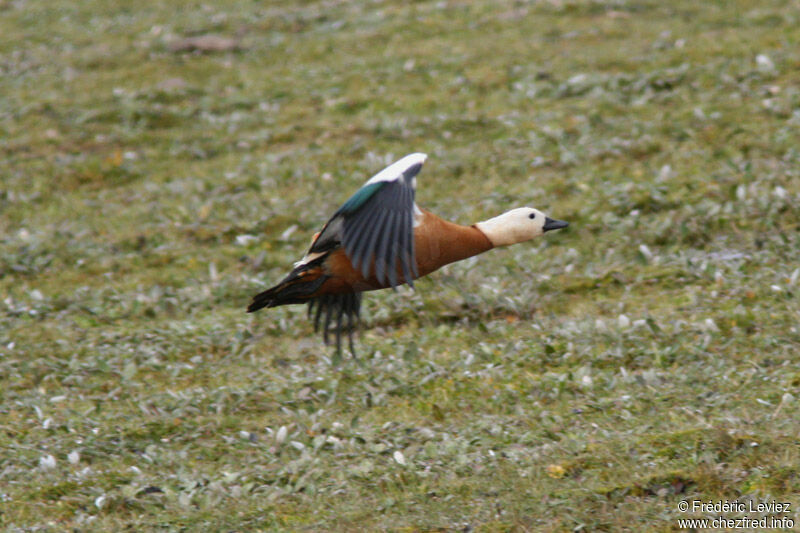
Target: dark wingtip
(346, 308)
(412, 171)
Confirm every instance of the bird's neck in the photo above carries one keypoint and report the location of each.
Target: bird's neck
(439, 242)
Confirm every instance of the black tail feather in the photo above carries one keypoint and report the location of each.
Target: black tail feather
(292, 290)
(261, 300)
(341, 310)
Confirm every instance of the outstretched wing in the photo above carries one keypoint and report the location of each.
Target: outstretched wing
(376, 224)
(344, 309)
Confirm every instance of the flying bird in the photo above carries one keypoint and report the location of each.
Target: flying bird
(380, 238)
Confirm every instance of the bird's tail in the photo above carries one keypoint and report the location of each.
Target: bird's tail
(341, 311)
(296, 288)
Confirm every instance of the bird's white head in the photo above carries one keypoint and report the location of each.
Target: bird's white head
(518, 225)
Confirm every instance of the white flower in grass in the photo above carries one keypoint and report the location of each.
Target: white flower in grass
(47, 462)
(399, 458)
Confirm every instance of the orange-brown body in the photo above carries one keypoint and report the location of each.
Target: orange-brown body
(437, 242)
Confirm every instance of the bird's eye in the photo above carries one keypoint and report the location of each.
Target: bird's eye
(532, 216)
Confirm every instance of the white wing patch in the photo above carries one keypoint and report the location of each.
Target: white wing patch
(395, 170)
(308, 258)
(418, 215)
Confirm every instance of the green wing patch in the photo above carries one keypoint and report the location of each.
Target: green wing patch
(363, 194)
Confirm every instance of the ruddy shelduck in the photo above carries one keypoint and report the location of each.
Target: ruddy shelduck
(380, 238)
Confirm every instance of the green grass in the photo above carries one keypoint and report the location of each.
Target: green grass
(588, 380)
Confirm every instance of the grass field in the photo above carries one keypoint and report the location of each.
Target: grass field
(588, 380)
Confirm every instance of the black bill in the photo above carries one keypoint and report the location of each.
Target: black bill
(550, 223)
